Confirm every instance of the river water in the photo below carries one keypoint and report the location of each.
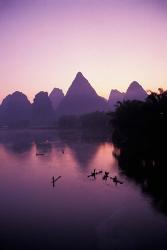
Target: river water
(78, 212)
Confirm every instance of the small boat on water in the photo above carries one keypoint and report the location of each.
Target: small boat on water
(55, 179)
(37, 154)
(94, 173)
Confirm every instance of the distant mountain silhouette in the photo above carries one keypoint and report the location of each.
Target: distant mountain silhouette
(81, 98)
(42, 110)
(56, 96)
(15, 108)
(135, 92)
(114, 97)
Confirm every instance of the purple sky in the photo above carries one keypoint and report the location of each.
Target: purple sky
(44, 43)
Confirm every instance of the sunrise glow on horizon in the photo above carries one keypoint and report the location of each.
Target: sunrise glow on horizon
(44, 43)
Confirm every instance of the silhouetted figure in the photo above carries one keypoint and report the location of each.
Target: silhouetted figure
(106, 175)
(62, 151)
(115, 180)
(54, 180)
(93, 174)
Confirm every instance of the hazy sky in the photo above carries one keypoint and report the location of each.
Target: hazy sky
(44, 43)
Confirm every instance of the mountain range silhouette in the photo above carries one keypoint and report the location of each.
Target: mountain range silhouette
(81, 98)
(134, 92)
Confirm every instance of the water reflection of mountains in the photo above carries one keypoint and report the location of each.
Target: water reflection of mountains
(148, 174)
(83, 146)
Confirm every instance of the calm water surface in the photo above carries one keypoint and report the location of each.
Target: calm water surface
(79, 212)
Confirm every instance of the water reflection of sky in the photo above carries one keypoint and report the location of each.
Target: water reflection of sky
(79, 213)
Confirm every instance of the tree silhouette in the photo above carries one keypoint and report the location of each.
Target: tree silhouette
(139, 130)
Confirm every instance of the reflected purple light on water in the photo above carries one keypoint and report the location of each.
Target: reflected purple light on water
(79, 212)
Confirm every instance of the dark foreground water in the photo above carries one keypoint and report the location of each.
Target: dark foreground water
(79, 212)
